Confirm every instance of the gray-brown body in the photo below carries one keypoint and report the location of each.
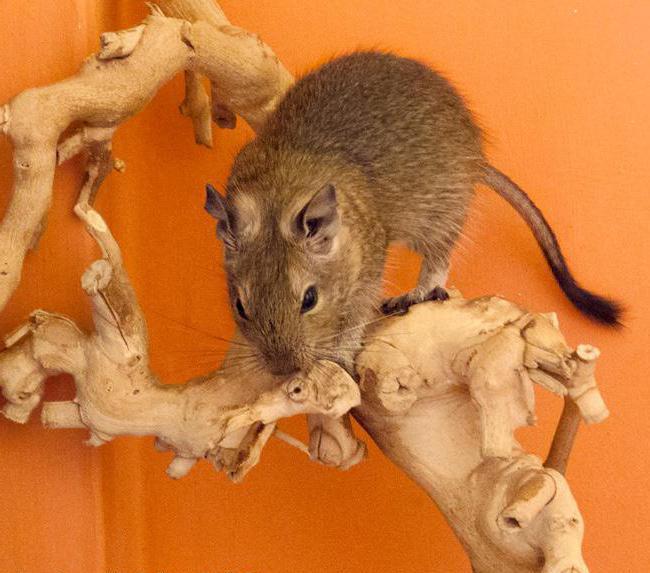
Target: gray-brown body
(367, 150)
(401, 126)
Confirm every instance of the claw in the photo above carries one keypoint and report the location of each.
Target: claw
(438, 293)
(400, 305)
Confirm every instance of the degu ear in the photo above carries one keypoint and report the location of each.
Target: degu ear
(216, 207)
(319, 220)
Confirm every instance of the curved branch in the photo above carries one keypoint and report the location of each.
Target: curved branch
(443, 388)
(109, 88)
(217, 416)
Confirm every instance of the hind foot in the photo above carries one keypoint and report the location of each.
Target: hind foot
(400, 304)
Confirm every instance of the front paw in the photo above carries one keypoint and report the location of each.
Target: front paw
(438, 293)
(399, 305)
(396, 305)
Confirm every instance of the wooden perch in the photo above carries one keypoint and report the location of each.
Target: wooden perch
(217, 416)
(110, 87)
(442, 389)
(431, 383)
(196, 106)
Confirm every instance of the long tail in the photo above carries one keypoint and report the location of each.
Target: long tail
(599, 308)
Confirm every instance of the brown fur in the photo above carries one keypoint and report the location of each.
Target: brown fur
(403, 153)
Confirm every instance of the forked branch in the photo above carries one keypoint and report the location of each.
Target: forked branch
(442, 389)
(109, 88)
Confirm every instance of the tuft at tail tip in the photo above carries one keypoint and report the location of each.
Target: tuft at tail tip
(606, 311)
(598, 308)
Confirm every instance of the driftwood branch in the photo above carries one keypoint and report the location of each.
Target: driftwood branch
(196, 106)
(111, 87)
(429, 394)
(442, 389)
(217, 416)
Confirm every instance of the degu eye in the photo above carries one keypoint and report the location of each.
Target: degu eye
(240, 309)
(309, 300)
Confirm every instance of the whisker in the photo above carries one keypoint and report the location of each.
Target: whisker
(244, 367)
(196, 329)
(198, 351)
(354, 328)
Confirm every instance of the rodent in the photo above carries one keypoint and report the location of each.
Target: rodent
(369, 149)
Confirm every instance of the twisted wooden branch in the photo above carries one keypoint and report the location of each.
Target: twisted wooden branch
(109, 88)
(443, 388)
(218, 417)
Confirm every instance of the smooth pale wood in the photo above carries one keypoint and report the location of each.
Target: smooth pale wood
(109, 88)
(206, 11)
(442, 402)
(194, 10)
(443, 390)
(426, 400)
(198, 108)
(218, 416)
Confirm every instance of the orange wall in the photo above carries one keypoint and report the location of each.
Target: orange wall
(561, 87)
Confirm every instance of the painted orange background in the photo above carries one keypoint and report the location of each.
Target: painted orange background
(562, 88)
